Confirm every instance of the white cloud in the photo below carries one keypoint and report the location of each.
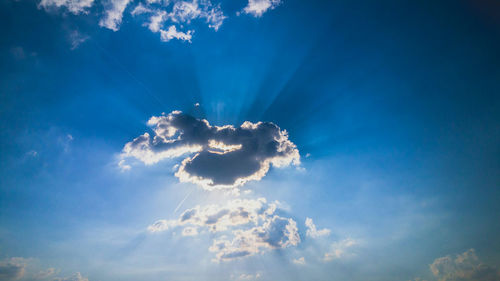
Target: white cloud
(74, 6)
(114, 14)
(186, 11)
(313, 232)
(465, 267)
(75, 277)
(224, 157)
(244, 276)
(141, 9)
(253, 225)
(299, 261)
(258, 7)
(12, 269)
(339, 249)
(172, 33)
(123, 166)
(44, 274)
(276, 232)
(76, 39)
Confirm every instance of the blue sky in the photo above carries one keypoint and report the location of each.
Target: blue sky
(376, 156)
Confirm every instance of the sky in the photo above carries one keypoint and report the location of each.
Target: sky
(271, 140)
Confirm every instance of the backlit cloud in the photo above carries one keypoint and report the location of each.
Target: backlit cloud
(464, 267)
(215, 157)
(246, 227)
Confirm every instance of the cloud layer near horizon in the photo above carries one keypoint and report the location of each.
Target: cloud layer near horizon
(223, 157)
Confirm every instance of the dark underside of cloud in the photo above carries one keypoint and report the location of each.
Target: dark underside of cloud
(224, 156)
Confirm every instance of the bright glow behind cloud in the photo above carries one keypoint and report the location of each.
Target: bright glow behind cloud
(224, 157)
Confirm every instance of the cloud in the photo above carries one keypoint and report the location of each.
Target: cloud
(224, 157)
(73, 6)
(172, 33)
(244, 276)
(257, 8)
(44, 274)
(465, 267)
(186, 11)
(299, 261)
(276, 232)
(339, 249)
(113, 14)
(76, 39)
(75, 277)
(252, 224)
(313, 232)
(12, 269)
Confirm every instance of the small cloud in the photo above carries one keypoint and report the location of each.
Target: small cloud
(465, 267)
(299, 261)
(172, 33)
(113, 14)
(123, 166)
(257, 8)
(75, 277)
(76, 39)
(244, 276)
(339, 249)
(73, 6)
(313, 232)
(44, 274)
(12, 268)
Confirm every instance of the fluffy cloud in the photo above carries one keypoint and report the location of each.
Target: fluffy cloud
(313, 232)
(174, 13)
(114, 14)
(339, 249)
(253, 225)
(276, 232)
(299, 261)
(12, 269)
(172, 33)
(75, 277)
(465, 267)
(73, 6)
(224, 157)
(258, 7)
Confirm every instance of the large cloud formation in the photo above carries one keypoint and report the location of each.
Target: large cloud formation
(465, 267)
(253, 224)
(165, 17)
(224, 157)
